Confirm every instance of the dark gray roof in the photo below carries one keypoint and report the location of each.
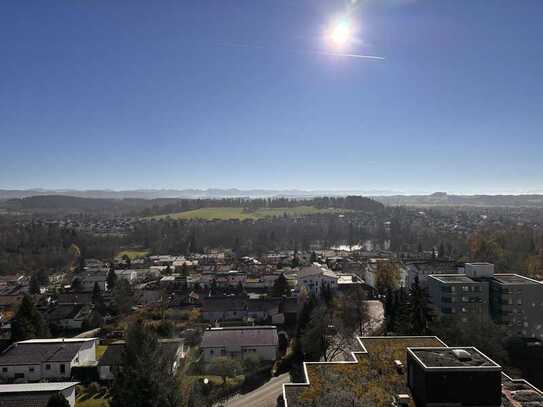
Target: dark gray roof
(223, 304)
(113, 353)
(262, 304)
(241, 336)
(64, 311)
(290, 305)
(25, 400)
(75, 298)
(36, 353)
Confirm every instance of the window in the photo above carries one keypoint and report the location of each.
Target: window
(211, 352)
(47, 367)
(4, 369)
(31, 369)
(63, 368)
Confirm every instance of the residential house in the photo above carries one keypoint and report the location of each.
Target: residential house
(265, 309)
(35, 394)
(224, 308)
(130, 276)
(238, 342)
(72, 316)
(242, 308)
(316, 277)
(46, 359)
(86, 281)
(172, 349)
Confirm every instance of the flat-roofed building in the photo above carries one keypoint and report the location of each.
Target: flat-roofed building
(458, 294)
(453, 376)
(421, 269)
(411, 372)
(511, 300)
(517, 302)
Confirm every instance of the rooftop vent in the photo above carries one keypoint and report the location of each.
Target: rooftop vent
(402, 400)
(461, 354)
(399, 366)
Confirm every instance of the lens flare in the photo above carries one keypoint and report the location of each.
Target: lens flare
(340, 34)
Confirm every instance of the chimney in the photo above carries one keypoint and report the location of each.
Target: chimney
(399, 366)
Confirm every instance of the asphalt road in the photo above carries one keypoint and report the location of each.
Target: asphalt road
(264, 396)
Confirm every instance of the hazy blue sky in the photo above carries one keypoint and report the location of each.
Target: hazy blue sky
(224, 93)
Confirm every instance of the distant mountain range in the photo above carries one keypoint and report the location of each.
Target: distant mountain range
(108, 198)
(182, 193)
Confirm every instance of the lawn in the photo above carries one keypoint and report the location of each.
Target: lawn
(100, 399)
(133, 253)
(100, 350)
(226, 213)
(92, 402)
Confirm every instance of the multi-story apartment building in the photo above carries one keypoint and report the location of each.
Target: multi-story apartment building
(517, 302)
(509, 299)
(459, 294)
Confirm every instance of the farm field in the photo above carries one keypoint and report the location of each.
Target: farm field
(225, 213)
(133, 253)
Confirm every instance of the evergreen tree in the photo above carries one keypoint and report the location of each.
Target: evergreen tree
(280, 286)
(390, 310)
(441, 253)
(34, 284)
(144, 377)
(414, 314)
(97, 298)
(96, 293)
(58, 400)
(305, 315)
(111, 278)
(420, 312)
(28, 323)
(81, 264)
(127, 260)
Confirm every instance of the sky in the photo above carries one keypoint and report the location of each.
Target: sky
(133, 94)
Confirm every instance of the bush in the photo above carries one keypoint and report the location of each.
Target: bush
(94, 388)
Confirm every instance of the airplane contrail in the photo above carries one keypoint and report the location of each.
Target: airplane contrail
(337, 54)
(305, 51)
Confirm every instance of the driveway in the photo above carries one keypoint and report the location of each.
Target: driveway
(264, 396)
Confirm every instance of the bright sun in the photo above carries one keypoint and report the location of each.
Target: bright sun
(340, 34)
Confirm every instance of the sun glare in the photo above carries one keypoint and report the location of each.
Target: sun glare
(340, 34)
